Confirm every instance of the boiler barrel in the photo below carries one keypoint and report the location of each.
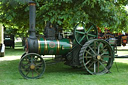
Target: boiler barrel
(54, 47)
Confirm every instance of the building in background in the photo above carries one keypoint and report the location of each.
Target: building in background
(2, 46)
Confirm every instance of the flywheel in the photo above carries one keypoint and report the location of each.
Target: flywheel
(84, 32)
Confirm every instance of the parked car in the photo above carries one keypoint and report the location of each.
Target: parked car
(9, 40)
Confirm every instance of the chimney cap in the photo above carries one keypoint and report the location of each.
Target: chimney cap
(32, 3)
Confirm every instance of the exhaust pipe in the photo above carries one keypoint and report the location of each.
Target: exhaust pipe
(32, 17)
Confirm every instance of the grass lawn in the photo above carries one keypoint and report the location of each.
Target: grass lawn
(60, 74)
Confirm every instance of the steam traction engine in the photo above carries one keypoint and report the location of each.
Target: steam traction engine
(80, 49)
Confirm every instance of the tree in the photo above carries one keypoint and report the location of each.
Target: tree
(66, 13)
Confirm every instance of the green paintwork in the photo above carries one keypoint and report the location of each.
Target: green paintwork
(54, 47)
(41, 45)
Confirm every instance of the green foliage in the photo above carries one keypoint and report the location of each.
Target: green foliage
(66, 13)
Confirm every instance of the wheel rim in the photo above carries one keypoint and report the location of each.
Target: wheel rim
(23, 54)
(84, 32)
(31, 66)
(96, 56)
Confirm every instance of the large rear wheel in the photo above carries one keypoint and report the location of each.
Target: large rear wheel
(96, 56)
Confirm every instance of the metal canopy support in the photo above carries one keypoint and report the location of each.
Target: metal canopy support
(125, 56)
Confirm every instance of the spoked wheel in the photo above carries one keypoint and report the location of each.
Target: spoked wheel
(84, 32)
(31, 66)
(96, 56)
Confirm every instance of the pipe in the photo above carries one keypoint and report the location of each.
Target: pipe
(32, 17)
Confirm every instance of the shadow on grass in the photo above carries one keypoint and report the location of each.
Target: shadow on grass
(61, 68)
(10, 69)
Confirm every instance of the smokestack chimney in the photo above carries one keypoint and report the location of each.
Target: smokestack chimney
(32, 16)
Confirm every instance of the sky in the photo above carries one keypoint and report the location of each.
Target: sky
(127, 7)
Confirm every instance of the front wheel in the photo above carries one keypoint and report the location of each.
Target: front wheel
(31, 66)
